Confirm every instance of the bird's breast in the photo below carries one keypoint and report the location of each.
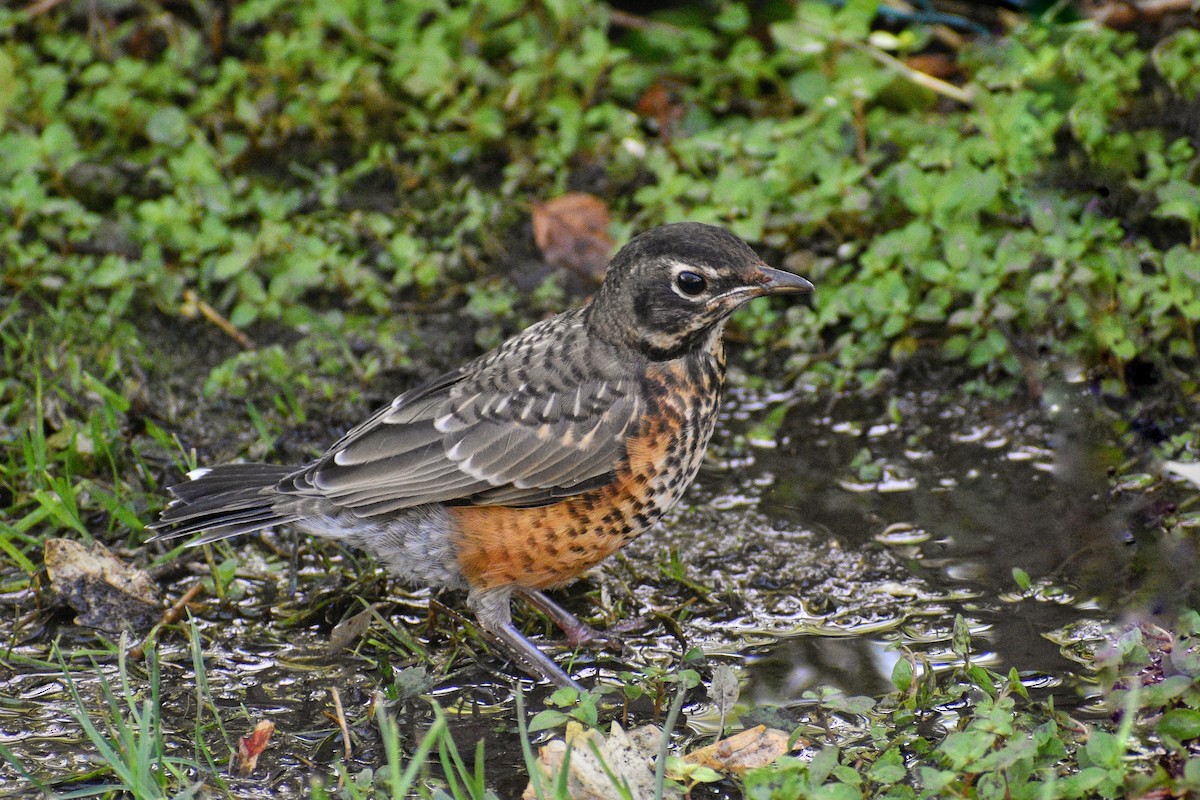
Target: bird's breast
(549, 545)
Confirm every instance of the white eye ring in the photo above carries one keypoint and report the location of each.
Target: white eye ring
(691, 281)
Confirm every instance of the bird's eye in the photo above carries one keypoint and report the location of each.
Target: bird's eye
(690, 283)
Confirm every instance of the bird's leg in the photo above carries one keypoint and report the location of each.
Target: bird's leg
(493, 610)
(578, 632)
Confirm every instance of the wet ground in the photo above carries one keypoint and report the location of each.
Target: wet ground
(820, 537)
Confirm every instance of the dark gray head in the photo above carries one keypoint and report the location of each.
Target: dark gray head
(671, 287)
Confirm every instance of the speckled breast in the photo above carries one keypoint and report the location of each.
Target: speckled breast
(549, 545)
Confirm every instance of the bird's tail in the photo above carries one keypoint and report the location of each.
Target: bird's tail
(225, 501)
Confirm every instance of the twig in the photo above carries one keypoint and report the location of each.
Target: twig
(936, 85)
(192, 300)
(341, 721)
(1120, 14)
(41, 7)
(624, 19)
(175, 612)
(169, 617)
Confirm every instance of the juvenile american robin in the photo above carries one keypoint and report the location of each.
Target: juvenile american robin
(534, 462)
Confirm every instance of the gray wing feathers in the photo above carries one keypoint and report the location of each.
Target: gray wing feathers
(388, 440)
(484, 436)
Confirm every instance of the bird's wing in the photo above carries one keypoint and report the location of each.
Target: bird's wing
(496, 432)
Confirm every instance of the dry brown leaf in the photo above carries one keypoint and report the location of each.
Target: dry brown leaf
(251, 747)
(755, 747)
(1160, 793)
(628, 756)
(939, 65)
(572, 233)
(661, 102)
(107, 593)
(1125, 13)
(349, 631)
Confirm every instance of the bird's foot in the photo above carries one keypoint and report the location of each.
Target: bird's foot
(532, 659)
(491, 608)
(585, 636)
(579, 634)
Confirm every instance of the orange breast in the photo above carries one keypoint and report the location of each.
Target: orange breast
(547, 546)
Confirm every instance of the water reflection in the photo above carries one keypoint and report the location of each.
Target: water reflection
(857, 666)
(961, 496)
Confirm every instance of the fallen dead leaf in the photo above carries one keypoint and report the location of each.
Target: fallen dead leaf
(251, 747)
(105, 592)
(1160, 793)
(939, 65)
(349, 631)
(572, 233)
(629, 757)
(661, 103)
(1124, 13)
(754, 747)
(724, 690)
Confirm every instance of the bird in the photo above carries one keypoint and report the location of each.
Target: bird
(532, 463)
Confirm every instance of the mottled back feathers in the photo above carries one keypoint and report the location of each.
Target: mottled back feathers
(501, 430)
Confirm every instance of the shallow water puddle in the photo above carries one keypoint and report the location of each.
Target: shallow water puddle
(857, 529)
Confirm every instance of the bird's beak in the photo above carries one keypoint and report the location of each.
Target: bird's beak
(776, 281)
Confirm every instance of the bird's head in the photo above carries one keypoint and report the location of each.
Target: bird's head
(672, 287)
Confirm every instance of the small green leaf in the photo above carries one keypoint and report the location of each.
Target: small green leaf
(1191, 773)
(565, 696)
(550, 718)
(982, 678)
(854, 18)
(935, 780)
(586, 711)
(836, 791)
(902, 674)
(888, 768)
(848, 775)
(960, 641)
(963, 749)
(1022, 578)
(167, 126)
(230, 264)
(822, 764)
(1180, 724)
(1104, 749)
